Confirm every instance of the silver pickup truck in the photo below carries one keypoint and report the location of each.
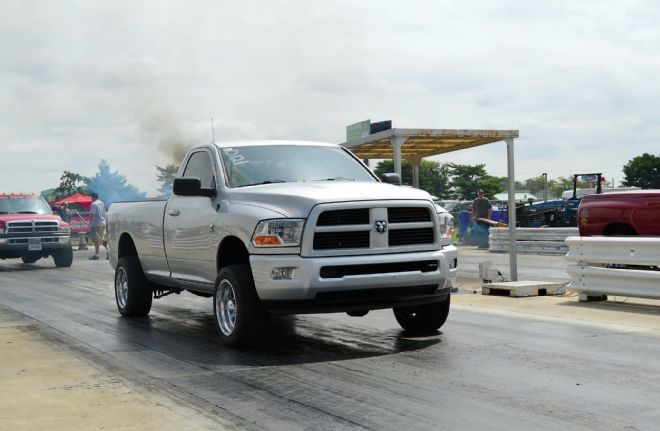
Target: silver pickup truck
(284, 227)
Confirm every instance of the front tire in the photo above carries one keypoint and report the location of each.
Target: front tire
(64, 257)
(423, 318)
(239, 315)
(132, 289)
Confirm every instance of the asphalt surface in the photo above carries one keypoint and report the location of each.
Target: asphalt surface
(486, 369)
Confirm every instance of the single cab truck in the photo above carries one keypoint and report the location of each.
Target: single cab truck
(29, 230)
(625, 213)
(284, 227)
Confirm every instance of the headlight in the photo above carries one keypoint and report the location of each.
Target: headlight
(64, 228)
(278, 233)
(446, 227)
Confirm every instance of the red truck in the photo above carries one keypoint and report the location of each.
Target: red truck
(624, 213)
(30, 230)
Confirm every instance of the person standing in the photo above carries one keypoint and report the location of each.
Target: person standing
(98, 225)
(65, 213)
(481, 208)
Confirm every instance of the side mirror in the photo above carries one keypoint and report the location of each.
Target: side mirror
(190, 187)
(391, 178)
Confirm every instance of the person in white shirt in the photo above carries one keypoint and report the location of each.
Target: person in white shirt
(98, 225)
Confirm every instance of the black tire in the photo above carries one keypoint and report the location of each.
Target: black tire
(240, 318)
(64, 257)
(29, 259)
(423, 318)
(133, 292)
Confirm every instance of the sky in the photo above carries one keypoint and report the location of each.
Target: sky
(135, 82)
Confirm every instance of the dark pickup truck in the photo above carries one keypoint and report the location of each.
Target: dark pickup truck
(625, 213)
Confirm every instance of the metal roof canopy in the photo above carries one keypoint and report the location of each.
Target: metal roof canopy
(415, 144)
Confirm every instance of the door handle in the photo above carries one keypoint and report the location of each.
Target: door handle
(174, 213)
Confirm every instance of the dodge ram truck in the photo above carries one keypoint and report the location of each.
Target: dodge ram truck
(284, 227)
(30, 231)
(621, 214)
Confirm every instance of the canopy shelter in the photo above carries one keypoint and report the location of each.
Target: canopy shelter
(415, 144)
(79, 198)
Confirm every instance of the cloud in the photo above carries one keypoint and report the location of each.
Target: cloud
(137, 83)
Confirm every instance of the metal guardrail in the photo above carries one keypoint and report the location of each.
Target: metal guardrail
(622, 266)
(542, 240)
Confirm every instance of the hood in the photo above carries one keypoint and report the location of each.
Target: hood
(297, 199)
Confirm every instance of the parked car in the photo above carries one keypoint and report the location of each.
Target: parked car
(284, 227)
(29, 230)
(623, 213)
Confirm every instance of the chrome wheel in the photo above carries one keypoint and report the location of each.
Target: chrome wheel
(225, 307)
(121, 287)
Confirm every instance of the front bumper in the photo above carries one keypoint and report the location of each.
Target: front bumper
(345, 283)
(17, 246)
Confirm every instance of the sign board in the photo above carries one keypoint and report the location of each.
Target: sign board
(380, 126)
(358, 130)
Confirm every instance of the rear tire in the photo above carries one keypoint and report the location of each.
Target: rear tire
(423, 318)
(133, 291)
(64, 257)
(239, 315)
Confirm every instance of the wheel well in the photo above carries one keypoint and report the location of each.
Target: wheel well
(126, 246)
(232, 251)
(619, 229)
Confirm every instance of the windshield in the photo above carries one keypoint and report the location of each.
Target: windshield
(24, 205)
(265, 164)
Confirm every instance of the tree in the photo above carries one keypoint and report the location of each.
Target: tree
(560, 185)
(433, 176)
(166, 177)
(111, 186)
(642, 171)
(468, 179)
(69, 185)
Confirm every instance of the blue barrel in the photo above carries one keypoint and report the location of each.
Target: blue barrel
(463, 223)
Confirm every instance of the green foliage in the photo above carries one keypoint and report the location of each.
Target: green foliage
(69, 185)
(166, 177)
(433, 176)
(468, 179)
(642, 171)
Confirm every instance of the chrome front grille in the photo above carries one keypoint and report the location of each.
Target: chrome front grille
(383, 227)
(31, 226)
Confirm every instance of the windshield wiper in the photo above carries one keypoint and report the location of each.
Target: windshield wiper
(263, 182)
(27, 212)
(335, 179)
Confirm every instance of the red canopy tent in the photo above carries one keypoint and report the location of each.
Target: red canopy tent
(84, 200)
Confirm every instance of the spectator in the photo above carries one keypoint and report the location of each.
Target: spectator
(65, 213)
(481, 208)
(98, 225)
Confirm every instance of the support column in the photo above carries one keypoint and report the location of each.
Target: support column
(415, 162)
(513, 250)
(397, 143)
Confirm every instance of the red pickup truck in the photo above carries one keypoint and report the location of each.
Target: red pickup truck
(29, 230)
(625, 213)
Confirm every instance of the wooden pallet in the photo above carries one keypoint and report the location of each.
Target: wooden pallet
(523, 288)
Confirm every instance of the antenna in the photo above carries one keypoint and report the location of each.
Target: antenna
(212, 131)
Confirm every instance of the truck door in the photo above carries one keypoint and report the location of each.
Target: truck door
(647, 216)
(188, 229)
